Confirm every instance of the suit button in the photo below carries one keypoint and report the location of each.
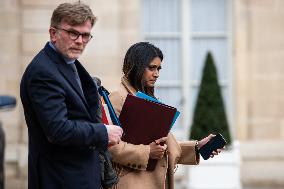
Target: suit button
(134, 165)
(92, 147)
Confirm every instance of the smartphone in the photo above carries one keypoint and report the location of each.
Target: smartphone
(212, 145)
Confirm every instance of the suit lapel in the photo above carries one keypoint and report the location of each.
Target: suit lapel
(90, 90)
(65, 70)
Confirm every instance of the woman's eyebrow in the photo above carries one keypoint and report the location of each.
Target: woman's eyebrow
(153, 66)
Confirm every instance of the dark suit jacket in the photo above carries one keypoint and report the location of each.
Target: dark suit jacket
(65, 133)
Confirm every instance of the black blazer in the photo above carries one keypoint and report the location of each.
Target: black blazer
(65, 133)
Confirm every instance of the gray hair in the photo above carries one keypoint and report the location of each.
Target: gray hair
(72, 13)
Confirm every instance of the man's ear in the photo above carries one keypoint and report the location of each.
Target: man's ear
(52, 34)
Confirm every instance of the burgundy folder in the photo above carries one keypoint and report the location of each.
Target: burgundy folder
(145, 121)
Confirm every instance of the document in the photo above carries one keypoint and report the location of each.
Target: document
(104, 94)
(106, 119)
(147, 97)
(144, 121)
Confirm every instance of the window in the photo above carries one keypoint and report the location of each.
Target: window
(185, 30)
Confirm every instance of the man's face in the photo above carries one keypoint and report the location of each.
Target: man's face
(63, 39)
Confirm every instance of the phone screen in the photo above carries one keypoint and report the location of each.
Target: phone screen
(215, 143)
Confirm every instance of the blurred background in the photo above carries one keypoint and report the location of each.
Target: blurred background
(246, 39)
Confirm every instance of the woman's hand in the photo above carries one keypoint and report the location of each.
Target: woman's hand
(158, 148)
(203, 141)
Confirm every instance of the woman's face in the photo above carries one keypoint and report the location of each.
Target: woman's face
(151, 73)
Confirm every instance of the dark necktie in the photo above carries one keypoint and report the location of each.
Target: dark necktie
(73, 66)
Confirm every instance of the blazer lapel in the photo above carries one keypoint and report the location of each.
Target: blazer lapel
(90, 90)
(66, 71)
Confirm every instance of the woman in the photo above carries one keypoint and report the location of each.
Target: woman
(141, 67)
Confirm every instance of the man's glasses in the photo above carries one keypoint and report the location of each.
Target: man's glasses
(74, 35)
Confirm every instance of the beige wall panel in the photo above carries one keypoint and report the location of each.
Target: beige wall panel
(262, 149)
(10, 116)
(130, 4)
(52, 3)
(14, 117)
(104, 43)
(263, 173)
(10, 5)
(130, 25)
(129, 38)
(266, 108)
(6, 60)
(11, 132)
(9, 74)
(242, 69)
(262, 162)
(24, 134)
(36, 19)
(108, 16)
(111, 83)
(11, 119)
(25, 61)
(13, 84)
(33, 42)
(262, 4)
(267, 89)
(266, 43)
(108, 67)
(280, 5)
(9, 20)
(10, 70)
(10, 172)
(2, 86)
(101, 56)
(10, 43)
(269, 63)
(282, 128)
(264, 26)
(264, 128)
(130, 22)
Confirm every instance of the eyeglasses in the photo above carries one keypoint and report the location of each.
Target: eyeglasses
(74, 35)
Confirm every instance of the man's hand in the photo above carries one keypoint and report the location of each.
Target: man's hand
(114, 134)
(156, 149)
(203, 141)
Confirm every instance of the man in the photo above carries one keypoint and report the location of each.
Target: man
(61, 107)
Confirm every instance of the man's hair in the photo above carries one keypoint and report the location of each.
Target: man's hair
(137, 59)
(72, 13)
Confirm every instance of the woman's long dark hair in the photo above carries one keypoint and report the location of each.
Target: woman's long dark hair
(137, 59)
